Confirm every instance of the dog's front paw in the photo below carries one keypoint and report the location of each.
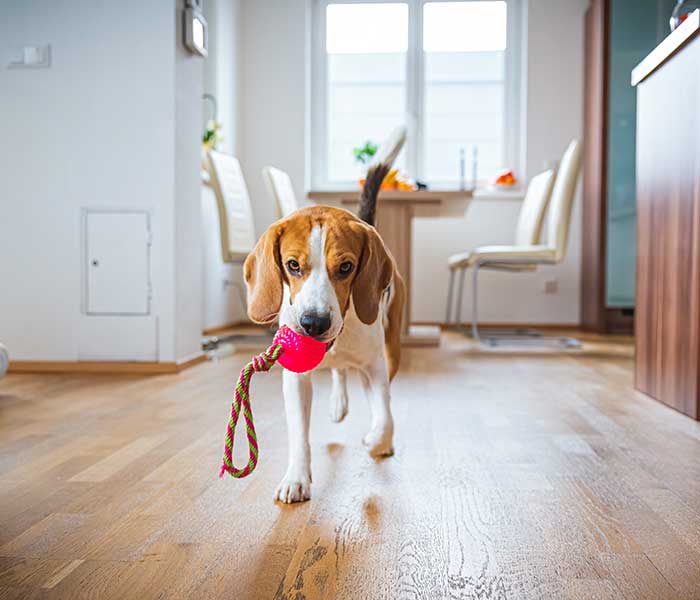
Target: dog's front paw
(379, 442)
(294, 488)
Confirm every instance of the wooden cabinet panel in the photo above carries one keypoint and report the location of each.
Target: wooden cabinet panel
(667, 323)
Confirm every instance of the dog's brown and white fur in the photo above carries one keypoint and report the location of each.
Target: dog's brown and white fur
(322, 271)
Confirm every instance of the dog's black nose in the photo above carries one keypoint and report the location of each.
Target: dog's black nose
(315, 324)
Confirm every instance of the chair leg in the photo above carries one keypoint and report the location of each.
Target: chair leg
(460, 289)
(475, 302)
(525, 337)
(448, 312)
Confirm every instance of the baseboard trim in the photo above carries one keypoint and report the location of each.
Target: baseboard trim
(486, 325)
(190, 361)
(113, 367)
(222, 328)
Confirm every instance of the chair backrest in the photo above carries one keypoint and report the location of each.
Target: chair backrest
(562, 201)
(531, 218)
(280, 186)
(233, 203)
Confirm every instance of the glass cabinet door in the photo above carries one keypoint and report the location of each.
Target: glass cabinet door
(636, 27)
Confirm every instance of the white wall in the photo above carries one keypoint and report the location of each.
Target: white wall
(222, 77)
(189, 87)
(274, 96)
(115, 123)
(275, 93)
(553, 115)
(222, 69)
(96, 129)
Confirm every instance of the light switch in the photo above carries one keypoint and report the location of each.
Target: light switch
(32, 56)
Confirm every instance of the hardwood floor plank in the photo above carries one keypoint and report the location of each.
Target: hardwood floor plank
(62, 573)
(516, 476)
(118, 460)
(636, 577)
(39, 540)
(677, 562)
(682, 518)
(27, 572)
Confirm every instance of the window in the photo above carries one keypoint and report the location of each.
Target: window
(444, 69)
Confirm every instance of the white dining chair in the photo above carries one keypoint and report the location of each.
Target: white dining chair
(279, 184)
(236, 226)
(234, 207)
(528, 250)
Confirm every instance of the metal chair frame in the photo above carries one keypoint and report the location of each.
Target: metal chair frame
(522, 336)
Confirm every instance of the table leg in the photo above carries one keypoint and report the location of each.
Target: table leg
(394, 223)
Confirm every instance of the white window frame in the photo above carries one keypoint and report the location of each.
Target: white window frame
(415, 80)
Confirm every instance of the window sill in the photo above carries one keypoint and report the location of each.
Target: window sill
(491, 193)
(482, 193)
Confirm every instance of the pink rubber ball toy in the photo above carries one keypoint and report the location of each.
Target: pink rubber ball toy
(302, 353)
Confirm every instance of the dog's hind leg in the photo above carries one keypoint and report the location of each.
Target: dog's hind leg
(339, 395)
(379, 440)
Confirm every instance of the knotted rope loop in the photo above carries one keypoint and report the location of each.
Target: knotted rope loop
(241, 403)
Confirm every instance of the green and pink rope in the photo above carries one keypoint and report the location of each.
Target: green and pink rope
(295, 352)
(241, 403)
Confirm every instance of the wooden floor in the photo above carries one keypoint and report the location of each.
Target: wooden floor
(516, 475)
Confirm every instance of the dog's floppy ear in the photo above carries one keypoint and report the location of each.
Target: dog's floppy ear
(373, 276)
(263, 277)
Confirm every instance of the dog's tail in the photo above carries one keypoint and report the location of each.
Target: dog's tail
(381, 165)
(368, 200)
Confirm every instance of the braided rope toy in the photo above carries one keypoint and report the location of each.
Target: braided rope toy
(298, 353)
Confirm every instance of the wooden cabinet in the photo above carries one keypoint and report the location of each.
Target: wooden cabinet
(667, 322)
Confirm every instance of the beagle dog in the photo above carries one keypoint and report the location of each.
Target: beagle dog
(326, 273)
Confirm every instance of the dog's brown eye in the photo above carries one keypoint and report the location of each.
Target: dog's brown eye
(293, 267)
(345, 268)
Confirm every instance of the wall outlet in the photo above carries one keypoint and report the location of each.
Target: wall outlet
(551, 286)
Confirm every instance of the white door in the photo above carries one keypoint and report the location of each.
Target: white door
(117, 263)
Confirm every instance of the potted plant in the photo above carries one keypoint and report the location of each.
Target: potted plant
(364, 154)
